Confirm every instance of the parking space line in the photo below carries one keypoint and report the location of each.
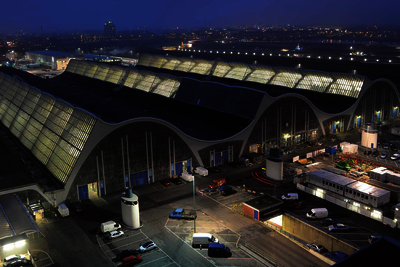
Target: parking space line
(153, 261)
(167, 264)
(122, 239)
(152, 252)
(190, 246)
(123, 245)
(163, 250)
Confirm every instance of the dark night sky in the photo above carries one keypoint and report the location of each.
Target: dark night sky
(128, 14)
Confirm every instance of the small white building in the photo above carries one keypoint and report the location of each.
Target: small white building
(367, 194)
(330, 181)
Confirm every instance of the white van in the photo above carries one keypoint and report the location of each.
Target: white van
(109, 226)
(63, 210)
(318, 213)
(187, 177)
(203, 239)
(290, 196)
(201, 171)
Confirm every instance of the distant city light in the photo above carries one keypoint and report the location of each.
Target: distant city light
(351, 58)
(390, 61)
(330, 57)
(365, 59)
(340, 58)
(377, 60)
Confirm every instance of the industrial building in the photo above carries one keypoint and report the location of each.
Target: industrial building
(55, 60)
(97, 128)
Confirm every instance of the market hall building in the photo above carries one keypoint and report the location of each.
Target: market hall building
(97, 129)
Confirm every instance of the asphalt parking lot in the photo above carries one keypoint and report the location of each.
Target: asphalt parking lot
(132, 239)
(231, 201)
(183, 229)
(356, 233)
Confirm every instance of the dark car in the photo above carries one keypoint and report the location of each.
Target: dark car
(175, 180)
(165, 182)
(318, 248)
(336, 256)
(375, 153)
(384, 155)
(327, 221)
(125, 253)
(385, 145)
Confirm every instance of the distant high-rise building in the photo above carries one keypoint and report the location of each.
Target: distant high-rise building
(109, 29)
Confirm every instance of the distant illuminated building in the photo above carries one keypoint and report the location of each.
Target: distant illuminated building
(109, 29)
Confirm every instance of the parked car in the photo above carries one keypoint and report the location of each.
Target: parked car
(375, 153)
(373, 238)
(385, 145)
(176, 181)
(327, 221)
(131, 260)
(226, 190)
(384, 155)
(318, 248)
(336, 256)
(165, 182)
(338, 227)
(147, 246)
(395, 156)
(125, 253)
(13, 258)
(115, 234)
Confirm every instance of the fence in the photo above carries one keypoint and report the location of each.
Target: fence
(339, 200)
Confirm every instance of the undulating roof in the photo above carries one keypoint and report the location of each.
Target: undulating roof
(52, 129)
(331, 83)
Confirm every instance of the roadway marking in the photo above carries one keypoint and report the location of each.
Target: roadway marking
(167, 264)
(153, 261)
(191, 247)
(162, 250)
(123, 245)
(122, 239)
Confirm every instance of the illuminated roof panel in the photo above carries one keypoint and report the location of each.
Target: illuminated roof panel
(349, 85)
(315, 81)
(259, 74)
(285, 77)
(221, 69)
(53, 130)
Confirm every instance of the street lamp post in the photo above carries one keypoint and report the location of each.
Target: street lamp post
(194, 205)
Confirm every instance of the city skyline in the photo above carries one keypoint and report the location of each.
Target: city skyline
(153, 14)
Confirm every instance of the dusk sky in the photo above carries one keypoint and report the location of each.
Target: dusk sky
(128, 14)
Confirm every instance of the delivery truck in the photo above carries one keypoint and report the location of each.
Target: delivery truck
(109, 226)
(317, 213)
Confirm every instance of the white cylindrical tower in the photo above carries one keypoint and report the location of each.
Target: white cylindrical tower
(130, 209)
(369, 136)
(274, 165)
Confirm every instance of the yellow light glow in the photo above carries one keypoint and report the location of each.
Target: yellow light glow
(8, 247)
(20, 243)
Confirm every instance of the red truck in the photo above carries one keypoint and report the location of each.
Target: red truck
(216, 183)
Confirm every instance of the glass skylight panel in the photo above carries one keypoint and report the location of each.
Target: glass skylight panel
(81, 67)
(221, 69)
(158, 61)
(315, 82)
(71, 67)
(286, 78)
(171, 64)
(90, 70)
(166, 87)
(237, 71)
(348, 86)
(132, 78)
(145, 60)
(201, 67)
(101, 72)
(185, 65)
(146, 82)
(260, 74)
(114, 74)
